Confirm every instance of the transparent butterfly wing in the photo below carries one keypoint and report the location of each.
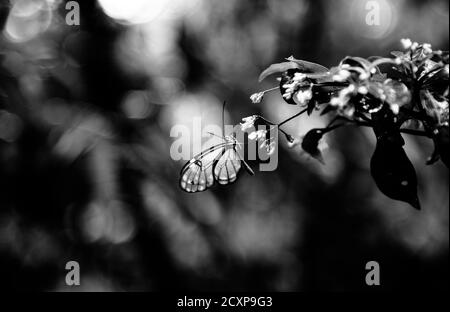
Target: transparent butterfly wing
(227, 168)
(197, 175)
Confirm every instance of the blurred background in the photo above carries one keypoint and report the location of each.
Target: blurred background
(86, 175)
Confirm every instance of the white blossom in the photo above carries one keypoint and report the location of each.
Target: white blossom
(303, 97)
(299, 77)
(341, 76)
(427, 48)
(363, 90)
(270, 148)
(364, 76)
(257, 135)
(290, 88)
(248, 122)
(395, 108)
(406, 43)
(257, 97)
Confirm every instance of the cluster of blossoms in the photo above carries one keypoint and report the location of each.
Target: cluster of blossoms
(383, 93)
(299, 89)
(260, 135)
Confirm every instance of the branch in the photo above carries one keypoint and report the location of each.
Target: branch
(415, 132)
(292, 117)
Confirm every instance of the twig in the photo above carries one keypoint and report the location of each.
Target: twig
(292, 117)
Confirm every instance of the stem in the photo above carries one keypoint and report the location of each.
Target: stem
(292, 117)
(271, 89)
(284, 132)
(274, 124)
(331, 84)
(415, 132)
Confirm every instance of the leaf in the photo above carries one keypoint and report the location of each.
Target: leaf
(292, 63)
(393, 172)
(442, 143)
(327, 109)
(311, 106)
(308, 67)
(323, 92)
(310, 143)
(277, 68)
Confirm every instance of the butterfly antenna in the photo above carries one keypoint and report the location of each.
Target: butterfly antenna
(223, 118)
(213, 134)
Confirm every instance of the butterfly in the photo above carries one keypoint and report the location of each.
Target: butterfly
(221, 163)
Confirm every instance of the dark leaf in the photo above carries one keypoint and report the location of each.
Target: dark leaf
(330, 87)
(386, 127)
(310, 143)
(327, 109)
(442, 143)
(393, 172)
(322, 93)
(311, 106)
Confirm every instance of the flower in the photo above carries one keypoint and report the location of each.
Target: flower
(364, 76)
(303, 97)
(269, 145)
(395, 108)
(363, 90)
(257, 135)
(298, 82)
(290, 89)
(248, 122)
(270, 148)
(406, 43)
(342, 75)
(426, 47)
(342, 101)
(299, 77)
(257, 97)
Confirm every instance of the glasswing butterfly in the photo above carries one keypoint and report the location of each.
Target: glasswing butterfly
(221, 163)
